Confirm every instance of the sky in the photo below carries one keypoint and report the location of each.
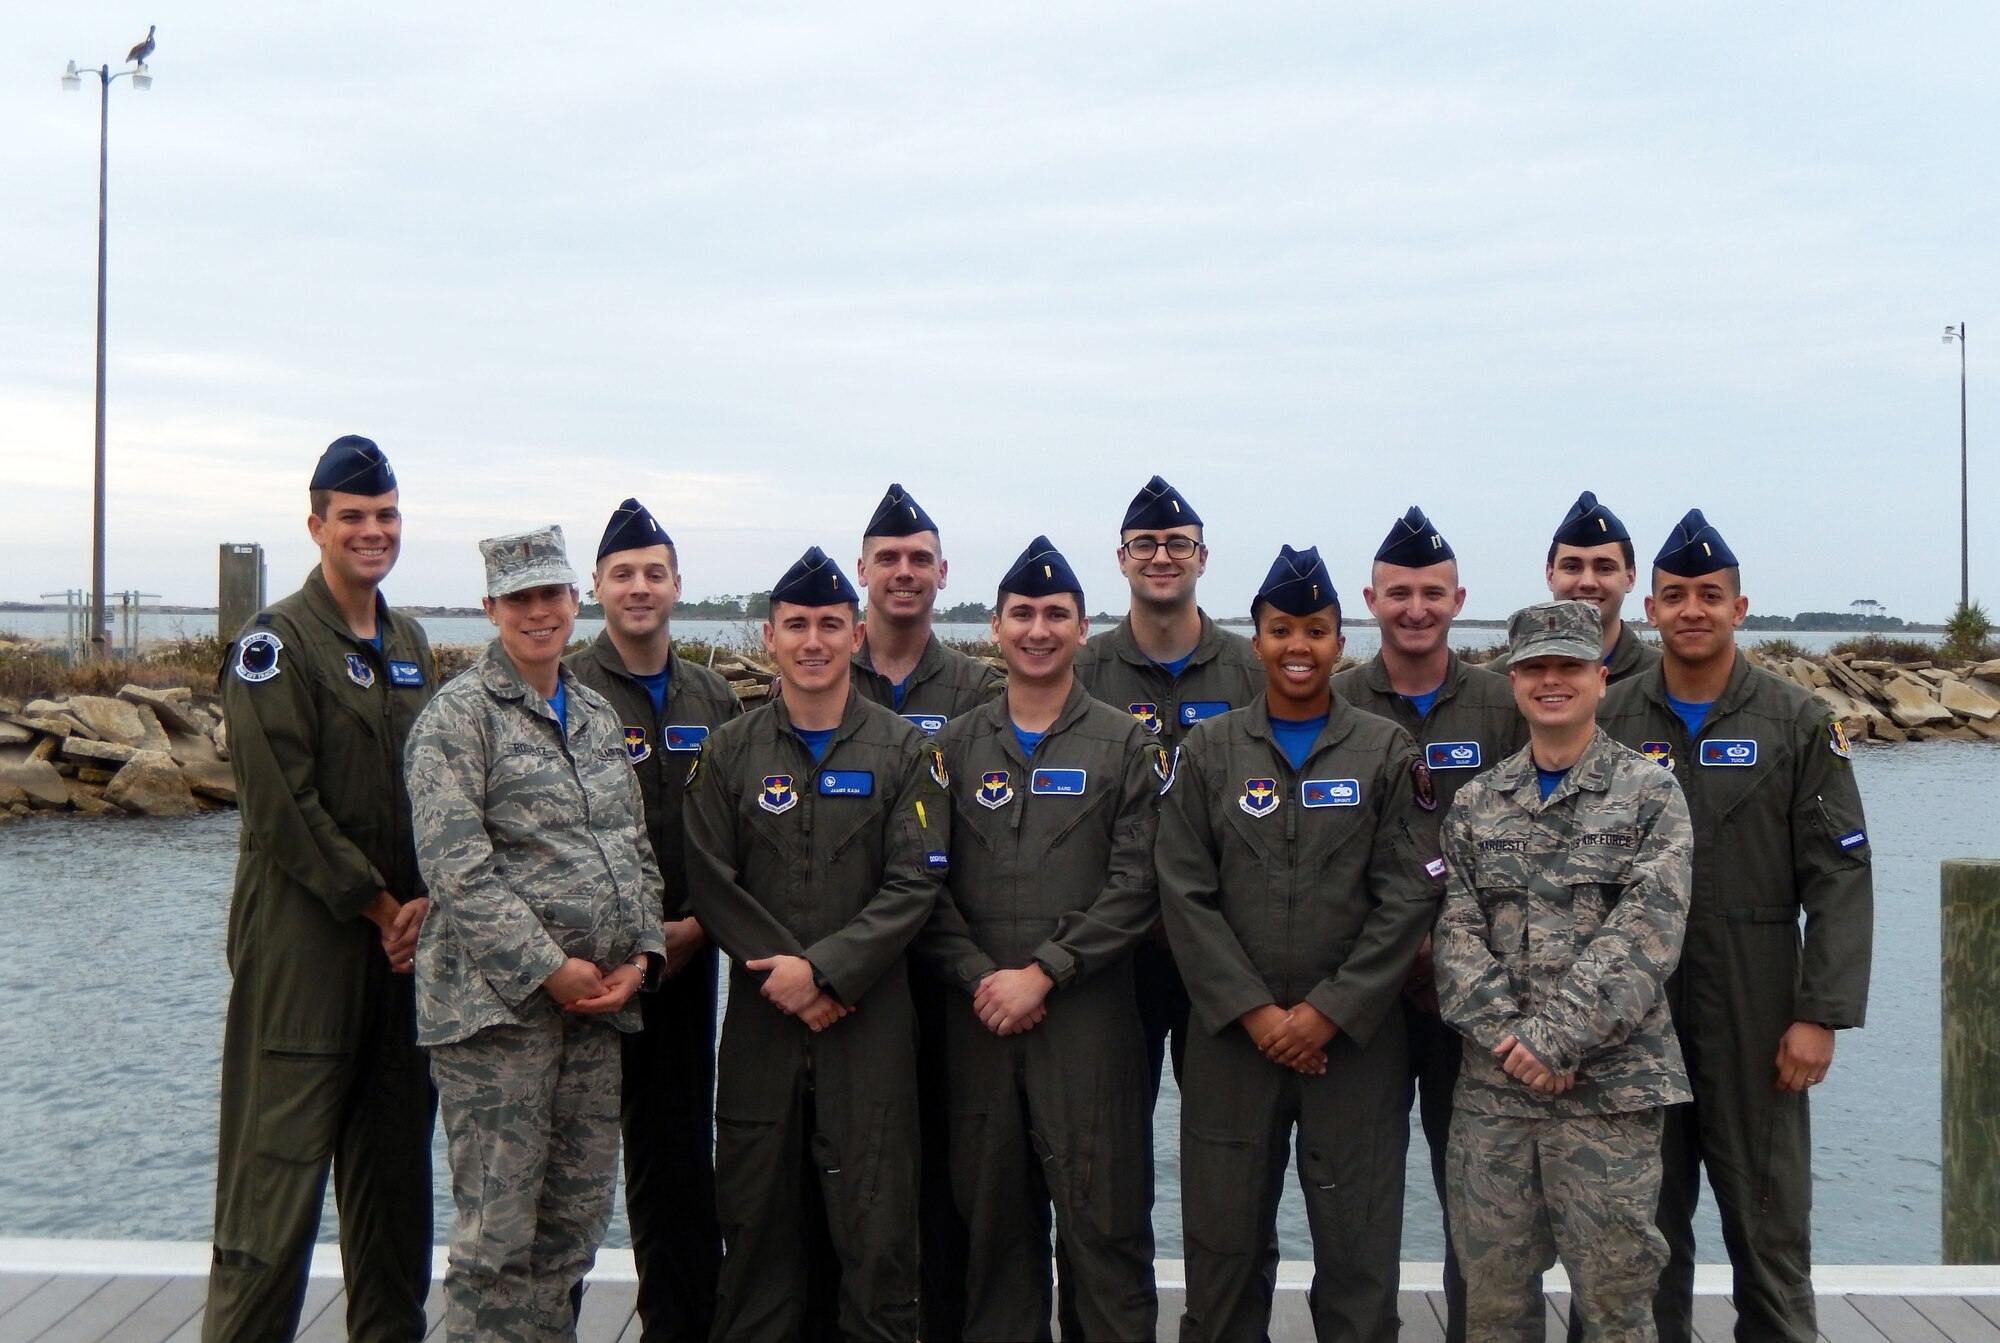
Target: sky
(1313, 263)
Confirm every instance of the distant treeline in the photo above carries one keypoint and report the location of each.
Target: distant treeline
(1831, 620)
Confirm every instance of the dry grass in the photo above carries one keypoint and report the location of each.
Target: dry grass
(28, 671)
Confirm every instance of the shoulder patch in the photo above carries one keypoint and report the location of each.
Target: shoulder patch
(1173, 769)
(257, 656)
(939, 776)
(1837, 740)
(1423, 787)
(694, 770)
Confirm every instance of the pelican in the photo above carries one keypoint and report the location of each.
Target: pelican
(138, 54)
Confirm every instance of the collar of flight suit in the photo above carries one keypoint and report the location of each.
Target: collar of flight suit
(1206, 647)
(928, 665)
(1735, 692)
(1340, 719)
(851, 714)
(1455, 668)
(605, 654)
(994, 717)
(319, 600)
(1590, 774)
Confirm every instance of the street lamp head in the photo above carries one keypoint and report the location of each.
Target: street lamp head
(72, 82)
(1950, 334)
(142, 79)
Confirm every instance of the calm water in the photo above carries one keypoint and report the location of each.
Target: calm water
(112, 988)
(1362, 638)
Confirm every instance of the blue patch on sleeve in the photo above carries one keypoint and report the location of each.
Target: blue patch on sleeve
(1854, 839)
(937, 861)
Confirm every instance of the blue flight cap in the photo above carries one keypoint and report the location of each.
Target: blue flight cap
(1298, 583)
(352, 464)
(632, 528)
(1413, 543)
(1157, 506)
(899, 515)
(1694, 549)
(815, 581)
(1589, 523)
(1042, 572)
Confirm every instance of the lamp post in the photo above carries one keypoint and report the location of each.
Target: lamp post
(1957, 333)
(72, 81)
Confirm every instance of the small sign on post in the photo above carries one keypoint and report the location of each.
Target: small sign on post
(240, 591)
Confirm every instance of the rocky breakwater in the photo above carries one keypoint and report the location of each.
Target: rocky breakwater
(1901, 701)
(142, 752)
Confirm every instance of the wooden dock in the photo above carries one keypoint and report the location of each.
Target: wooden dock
(123, 1292)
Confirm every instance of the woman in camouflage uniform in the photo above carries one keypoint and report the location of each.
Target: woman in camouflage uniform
(545, 919)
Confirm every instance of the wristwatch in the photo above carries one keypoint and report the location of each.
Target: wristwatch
(647, 966)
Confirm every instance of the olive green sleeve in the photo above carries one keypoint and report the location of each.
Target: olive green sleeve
(1405, 883)
(914, 857)
(1833, 873)
(731, 916)
(1222, 981)
(273, 744)
(946, 947)
(1122, 913)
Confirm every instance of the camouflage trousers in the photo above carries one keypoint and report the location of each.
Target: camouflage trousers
(1586, 1187)
(531, 1117)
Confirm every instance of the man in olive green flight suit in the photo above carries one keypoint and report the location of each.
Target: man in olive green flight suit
(1778, 832)
(667, 1109)
(1169, 666)
(1296, 890)
(319, 1058)
(818, 832)
(1051, 887)
(1590, 559)
(1464, 721)
(902, 666)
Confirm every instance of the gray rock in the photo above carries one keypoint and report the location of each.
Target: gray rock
(211, 779)
(39, 780)
(13, 734)
(79, 751)
(191, 748)
(171, 712)
(150, 784)
(109, 719)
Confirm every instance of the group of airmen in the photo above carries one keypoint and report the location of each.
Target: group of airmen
(1597, 910)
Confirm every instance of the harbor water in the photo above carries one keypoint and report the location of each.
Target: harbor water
(112, 988)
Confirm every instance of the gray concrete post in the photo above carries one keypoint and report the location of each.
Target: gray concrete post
(1969, 928)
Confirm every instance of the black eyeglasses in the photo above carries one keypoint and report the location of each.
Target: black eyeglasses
(1145, 547)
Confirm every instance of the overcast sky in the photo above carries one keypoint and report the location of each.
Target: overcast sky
(1311, 262)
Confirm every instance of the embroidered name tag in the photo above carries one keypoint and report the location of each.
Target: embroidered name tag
(1062, 782)
(930, 724)
(685, 736)
(1196, 710)
(405, 674)
(1853, 839)
(1452, 755)
(936, 861)
(1330, 793)
(1721, 751)
(846, 783)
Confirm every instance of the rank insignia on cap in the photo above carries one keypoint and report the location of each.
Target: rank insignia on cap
(1423, 788)
(1659, 752)
(938, 774)
(1147, 714)
(257, 656)
(777, 796)
(898, 515)
(1837, 740)
(359, 672)
(636, 745)
(996, 789)
(1260, 797)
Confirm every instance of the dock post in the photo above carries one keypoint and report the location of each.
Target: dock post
(1969, 1044)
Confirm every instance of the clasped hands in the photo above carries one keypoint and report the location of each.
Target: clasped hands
(1530, 1071)
(580, 987)
(399, 922)
(1008, 1002)
(790, 987)
(1294, 1037)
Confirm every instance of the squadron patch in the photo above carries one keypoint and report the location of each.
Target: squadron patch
(257, 656)
(777, 795)
(1147, 714)
(1173, 770)
(1163, 768)
(359, 672)
(636, 745)
(996, 789)
(1836, 740)
(1659, 752)
(1423, 788)
(1260, 797)
(938, 774)
(694, 770)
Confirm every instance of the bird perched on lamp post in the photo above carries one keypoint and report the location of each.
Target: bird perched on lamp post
(138, 54)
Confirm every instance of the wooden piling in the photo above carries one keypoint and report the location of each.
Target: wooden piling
(1970, 1047)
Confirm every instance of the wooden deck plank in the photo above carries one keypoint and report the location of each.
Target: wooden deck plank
(607, 1307)
(48, 1304)
(163, 1313)
(106, 1307)
(1956, 1318)
(322, 1295)
(1989, 1306)
(1714, 1319)
(330, 1324)
(16, 1286)
(1559, 1306)
(1898, 1319)
(1840, 1322)
(1291, 1316)
(1173, 1300)
(1421, 1321)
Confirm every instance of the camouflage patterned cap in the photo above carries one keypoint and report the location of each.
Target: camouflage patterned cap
(526, 560)
(1555, 630)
